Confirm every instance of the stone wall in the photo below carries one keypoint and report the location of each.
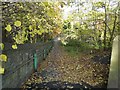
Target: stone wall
(20, 64)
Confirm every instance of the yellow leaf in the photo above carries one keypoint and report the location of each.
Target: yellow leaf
(3, 57)
(8, 28)
(30, 27)
(39, 33)
(42, 30)
(1, 46)
(2, 70)
(17, 23)
(14, 46)
(46, 31)
(39, 26)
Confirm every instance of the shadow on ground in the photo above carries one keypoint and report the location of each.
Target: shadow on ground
(62, 85)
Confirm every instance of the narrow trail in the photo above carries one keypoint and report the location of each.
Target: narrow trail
(61, 70)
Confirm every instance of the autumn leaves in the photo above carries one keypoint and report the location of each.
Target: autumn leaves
(3, 57)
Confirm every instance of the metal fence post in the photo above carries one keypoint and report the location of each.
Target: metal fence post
(35, 61)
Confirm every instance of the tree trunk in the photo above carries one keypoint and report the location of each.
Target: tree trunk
(112, 34)
(105, 28)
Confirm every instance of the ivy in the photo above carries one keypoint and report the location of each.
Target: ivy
(17, 23)
(30, 19)
(1, 46)
(14, 46)
(8, 28)
(2, 70)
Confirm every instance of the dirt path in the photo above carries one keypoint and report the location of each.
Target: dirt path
(62, 68)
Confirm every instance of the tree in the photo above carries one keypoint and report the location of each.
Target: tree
(96, 24)
(27, 22)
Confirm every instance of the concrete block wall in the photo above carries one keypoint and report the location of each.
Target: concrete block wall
(114, 73)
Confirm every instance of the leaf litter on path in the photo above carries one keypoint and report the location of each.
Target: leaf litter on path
(60, 66)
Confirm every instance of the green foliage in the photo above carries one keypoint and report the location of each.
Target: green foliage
(67, 25)
(73, 42)
(74, 47)
(2, 70)
(3, 57)
(14, 46)
(88, 27)
(8, 28)
(17, 23)
(72, 50)
(1, 46)
(27, 21)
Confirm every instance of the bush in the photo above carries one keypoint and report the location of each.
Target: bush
(73, 42)
(74, 47)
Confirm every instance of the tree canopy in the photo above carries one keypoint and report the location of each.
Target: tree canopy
(94, 24)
